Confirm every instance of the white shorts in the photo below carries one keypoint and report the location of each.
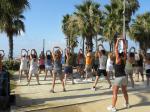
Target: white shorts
(23, 68)
(33, 71)
(48, 67)
(119, 81)
(109, 68)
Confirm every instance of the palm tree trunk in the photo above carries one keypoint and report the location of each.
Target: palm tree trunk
(96, 43)
(89, 44)
(10, 47)
(83, 44)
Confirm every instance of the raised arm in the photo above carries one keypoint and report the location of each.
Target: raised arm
(125, 49)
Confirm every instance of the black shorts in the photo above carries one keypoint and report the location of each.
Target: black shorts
(148, 73)
(101, 72)
(68, 70)
(81, 66)
(42, 67)
(95, 67)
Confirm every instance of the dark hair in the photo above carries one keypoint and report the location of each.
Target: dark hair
(121, 54)
(34, 56)
(103, 52)
(131, 54)
(48, 56)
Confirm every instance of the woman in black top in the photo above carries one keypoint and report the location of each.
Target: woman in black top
(120, 76)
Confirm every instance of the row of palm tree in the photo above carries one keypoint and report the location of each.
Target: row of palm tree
(89, 21)
(11, 19)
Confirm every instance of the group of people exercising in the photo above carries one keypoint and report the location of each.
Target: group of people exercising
(120, 63)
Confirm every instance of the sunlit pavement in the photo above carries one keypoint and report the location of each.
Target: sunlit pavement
(80, 96)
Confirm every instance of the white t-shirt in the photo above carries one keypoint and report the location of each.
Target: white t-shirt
(109, 66)
(147, 66)
(24, 64)
(102, 62)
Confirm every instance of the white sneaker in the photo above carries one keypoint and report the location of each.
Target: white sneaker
(93, 88)
(126, 105)
(111, 109)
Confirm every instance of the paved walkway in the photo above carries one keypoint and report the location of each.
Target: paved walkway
(37, 97)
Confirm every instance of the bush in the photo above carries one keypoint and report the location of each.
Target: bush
(11, 65)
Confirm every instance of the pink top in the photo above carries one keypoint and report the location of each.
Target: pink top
(42, 61)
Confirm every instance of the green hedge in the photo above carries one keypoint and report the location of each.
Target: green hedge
(11, 65)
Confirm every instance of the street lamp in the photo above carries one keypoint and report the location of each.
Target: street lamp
(124, 19)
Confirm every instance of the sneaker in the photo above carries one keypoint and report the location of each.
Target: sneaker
(111, 109)
(126, 105)
(52, 91)
(93, 88)
(64, 90)
(110, 86)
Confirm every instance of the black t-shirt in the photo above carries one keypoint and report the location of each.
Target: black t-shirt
(139, 63)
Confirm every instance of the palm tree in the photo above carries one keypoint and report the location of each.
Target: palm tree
(13, 27)
(89, 20)
(113, 22)
(140, 30)
(70, 29)
(11, 19)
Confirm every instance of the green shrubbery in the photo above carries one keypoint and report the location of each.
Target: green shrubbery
(11, 65)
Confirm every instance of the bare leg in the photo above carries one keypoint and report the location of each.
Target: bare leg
(26, 72)
(115, 93)
(107, 78)
(62, 82)
(96, 81)
(45, 74)
(72, 78)
(51, 73)
(147, 80)
(20, 75)
(37, 78)
(53, 83)
(124, 91)
(132, 81)
(65, 78)
(29, 78)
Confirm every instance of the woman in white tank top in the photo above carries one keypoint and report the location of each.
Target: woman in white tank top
(23, 65)
(33, 66)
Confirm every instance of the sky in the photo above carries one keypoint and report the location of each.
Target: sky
(44, 21)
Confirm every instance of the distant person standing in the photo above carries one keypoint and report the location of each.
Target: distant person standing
(102, 68)
(48, 64)
(41, 62)
(68, 66)
(80, 62)
(147, 69)
(120, 76)
(138, 66)
(33, 66)
(57, 69)
(23, 65)
(110, 65)
(96, 63)
(129, 67)
(88, 65)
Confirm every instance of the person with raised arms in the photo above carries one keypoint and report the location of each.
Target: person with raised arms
(24, 64)
(102, 68)
(41, 62)
(33, 66)
(57, 70)
(120, 75)
(129, 65)
(68, 70)
(80, 62)
(48, 63)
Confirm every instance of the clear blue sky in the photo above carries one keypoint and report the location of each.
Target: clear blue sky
(44, 19)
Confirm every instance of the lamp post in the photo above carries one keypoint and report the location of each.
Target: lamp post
(43, 45)
(124, 20)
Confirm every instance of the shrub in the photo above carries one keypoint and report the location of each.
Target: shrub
(11, 65)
